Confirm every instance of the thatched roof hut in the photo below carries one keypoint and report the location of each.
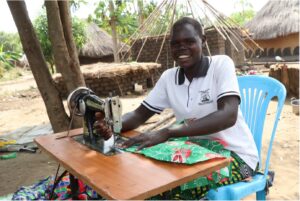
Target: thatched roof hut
(276, 18)
(99, 46)
(276, 29)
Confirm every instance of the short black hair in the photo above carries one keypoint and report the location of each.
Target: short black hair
(187, 20)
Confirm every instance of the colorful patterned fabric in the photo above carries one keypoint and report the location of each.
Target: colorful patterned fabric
(238, 167)
(42, 190)
(190, 151)
(182, 150)
(62, 190)
(37, 191)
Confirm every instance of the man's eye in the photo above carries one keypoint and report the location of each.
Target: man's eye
(190, 42)
(175, 45)
(172, 43)
(185, 43)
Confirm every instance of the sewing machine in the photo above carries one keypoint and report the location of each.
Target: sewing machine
(83, 102)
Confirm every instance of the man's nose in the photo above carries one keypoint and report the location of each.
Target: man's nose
(182, 46)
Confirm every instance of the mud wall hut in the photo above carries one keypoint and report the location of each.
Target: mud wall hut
(114, 78)
(147, 49)
(276, 29)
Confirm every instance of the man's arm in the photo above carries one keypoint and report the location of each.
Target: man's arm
(136, 118)
(223, 118)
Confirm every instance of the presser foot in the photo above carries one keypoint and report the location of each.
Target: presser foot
(107, 147)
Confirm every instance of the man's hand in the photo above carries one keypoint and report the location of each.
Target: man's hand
(101, 127)
(148, 139)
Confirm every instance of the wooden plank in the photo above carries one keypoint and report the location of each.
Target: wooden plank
(124, 176)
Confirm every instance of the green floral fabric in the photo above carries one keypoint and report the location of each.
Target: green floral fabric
(190, 151)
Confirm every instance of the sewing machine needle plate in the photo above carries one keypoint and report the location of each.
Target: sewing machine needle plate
(108, 148)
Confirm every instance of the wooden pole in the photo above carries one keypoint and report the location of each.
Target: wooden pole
(114, 30)
(159, 123)
(285, 76)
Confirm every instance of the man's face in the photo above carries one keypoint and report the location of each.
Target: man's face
(186, 46)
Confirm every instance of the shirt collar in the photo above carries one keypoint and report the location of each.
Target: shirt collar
(202, 70)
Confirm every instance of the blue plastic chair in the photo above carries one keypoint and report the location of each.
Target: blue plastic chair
(256, 94)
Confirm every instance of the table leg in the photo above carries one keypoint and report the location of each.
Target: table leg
(74, 187)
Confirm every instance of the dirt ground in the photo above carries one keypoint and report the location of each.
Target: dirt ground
(21, 105)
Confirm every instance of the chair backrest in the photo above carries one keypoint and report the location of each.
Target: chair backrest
(256, 93)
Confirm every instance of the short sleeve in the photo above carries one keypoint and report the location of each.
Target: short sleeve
(157, 100)
(226, 79)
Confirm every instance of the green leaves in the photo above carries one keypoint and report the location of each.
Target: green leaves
(242, 17)
(78, 29)
(7, 59)
(125, 15)
(245, 13)
(41, 27)
(10, 42)
(10, 51)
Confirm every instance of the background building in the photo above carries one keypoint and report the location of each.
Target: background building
(276, 29)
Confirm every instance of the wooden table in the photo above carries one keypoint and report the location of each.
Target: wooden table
(124, 176)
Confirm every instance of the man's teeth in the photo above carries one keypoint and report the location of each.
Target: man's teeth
(183, 56)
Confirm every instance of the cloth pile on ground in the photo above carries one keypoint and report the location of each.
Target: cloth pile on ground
(43, 190)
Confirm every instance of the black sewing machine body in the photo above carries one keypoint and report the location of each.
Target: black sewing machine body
(83, 102)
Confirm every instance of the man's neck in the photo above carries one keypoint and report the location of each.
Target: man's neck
(194, 71)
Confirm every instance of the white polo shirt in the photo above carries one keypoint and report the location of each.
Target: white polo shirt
(198, 98)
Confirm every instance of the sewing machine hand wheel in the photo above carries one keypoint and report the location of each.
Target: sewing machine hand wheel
(75, 100)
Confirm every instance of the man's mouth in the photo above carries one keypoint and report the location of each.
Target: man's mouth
(183, 56)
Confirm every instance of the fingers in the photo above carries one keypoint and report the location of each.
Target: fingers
(99, 116)
(102, 129)
(141, 139)
(143, 145)
(130, 142)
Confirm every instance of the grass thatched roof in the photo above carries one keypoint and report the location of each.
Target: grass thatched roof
(276, 18)
(99, 43)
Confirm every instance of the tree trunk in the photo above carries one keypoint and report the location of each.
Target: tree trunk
(67, 27)
(55, 109)
(114, 30)
(140, 12)
(66, 59)
(64, 48)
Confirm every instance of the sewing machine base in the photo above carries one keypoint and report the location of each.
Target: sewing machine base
(108, 148)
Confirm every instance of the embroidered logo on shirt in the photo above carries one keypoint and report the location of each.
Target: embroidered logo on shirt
(205, 97)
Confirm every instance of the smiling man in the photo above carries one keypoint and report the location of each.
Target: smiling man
(204, 94)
